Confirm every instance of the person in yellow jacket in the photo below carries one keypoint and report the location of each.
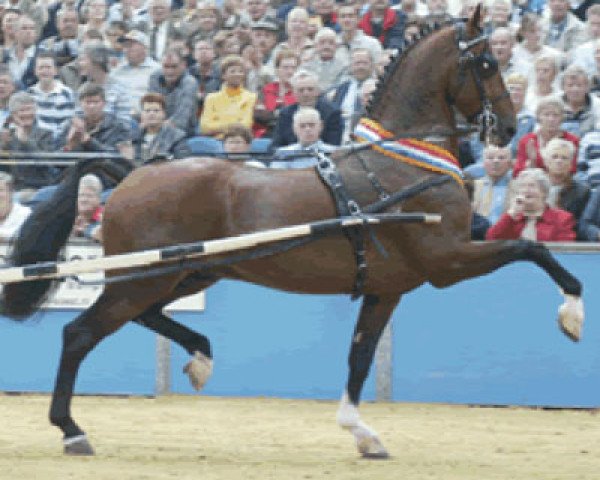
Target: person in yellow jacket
(232, 104)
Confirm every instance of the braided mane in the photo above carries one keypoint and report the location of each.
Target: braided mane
(424, 32)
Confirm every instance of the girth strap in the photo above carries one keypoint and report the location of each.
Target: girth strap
(345, 206)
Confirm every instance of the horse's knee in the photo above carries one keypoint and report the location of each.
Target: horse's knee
(78, 337)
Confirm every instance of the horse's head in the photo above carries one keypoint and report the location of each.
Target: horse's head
(477, 89)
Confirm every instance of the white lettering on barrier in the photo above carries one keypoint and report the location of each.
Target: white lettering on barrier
(72, 295)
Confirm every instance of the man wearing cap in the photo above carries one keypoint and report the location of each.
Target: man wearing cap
(264, 37)
(135, 71)
(94, 67)
(180, 90)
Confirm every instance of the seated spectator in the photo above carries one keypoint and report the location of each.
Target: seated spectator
(306, 90)
(329, 65)
(562, 30)
(549, 114)
(490, 193)
(180, 90)
(156, 137)
(531, 46)
(159, 27)
(130, 12)
(589, 224)
(264, 38)
(232, 104)
(351, 37)
(583, 55)
(498, 15)
(516, 84)
(70, 74)
(94, 66)
(12, 214)
(346, 96)
(307, 128)
(96, 12)
(20, 58)
(65, 45)
(137, 68)
(55, 102)
(95, 130)
(202, 21)
(7, 88)
(544, 85)
(296, 27)
(385, 24)
(588, 158)
(25, 135)
(595, 78)
(278, 94)
(205, 70)
(529, 216)
(89, 209)
(582, 110)
(501, 46)
(10, 21)
(237, 139)
(565, 192)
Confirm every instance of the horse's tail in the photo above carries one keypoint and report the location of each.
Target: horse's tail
(44, 234)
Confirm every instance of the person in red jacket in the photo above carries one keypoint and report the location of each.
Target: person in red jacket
(529, 216)
(549, 114)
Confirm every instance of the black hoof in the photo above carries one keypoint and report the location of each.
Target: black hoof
(78, 446)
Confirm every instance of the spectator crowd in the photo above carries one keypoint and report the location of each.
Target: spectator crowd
(150, 78)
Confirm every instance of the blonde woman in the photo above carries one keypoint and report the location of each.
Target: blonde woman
(529, 216)
(565, 192)
(549, 115)
(545, 81)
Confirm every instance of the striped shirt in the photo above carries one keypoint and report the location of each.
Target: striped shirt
(54, 108)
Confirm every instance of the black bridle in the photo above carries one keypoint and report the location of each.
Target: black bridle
(481, 66)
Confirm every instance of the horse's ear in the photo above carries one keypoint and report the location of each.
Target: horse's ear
(474, 23)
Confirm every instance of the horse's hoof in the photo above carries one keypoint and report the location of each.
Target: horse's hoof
(199, 369)
(78, 446)
(570, 317)
(372, 448)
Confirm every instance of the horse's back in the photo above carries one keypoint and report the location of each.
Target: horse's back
(204, 198)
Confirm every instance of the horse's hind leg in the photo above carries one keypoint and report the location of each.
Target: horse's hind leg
(199, 368)
(374, 316)
(471, 260)
(80, 336)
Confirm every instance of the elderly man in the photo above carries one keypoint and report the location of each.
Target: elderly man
(179, 89)
(307, 126)
(306, 90)
(264, 37)
(25, 135)
(562, 29)
(347, 96)
(135, 72)
(490, 195)
(501, 45)
(329, 65)
(65, 45)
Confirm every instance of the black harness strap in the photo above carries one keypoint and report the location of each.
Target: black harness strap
(345, 206)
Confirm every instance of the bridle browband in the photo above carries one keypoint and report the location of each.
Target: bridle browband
(481, 66)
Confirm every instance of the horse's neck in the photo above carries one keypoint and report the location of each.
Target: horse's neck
(413, 100)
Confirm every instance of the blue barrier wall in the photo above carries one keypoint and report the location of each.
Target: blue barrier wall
(492, 340)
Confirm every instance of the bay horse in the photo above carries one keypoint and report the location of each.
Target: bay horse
(196, 199)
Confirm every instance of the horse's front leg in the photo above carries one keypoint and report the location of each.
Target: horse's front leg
(374, 315)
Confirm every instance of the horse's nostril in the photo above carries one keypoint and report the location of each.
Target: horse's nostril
(511, 131)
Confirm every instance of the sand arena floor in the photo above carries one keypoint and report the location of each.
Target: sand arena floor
(185, 437)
